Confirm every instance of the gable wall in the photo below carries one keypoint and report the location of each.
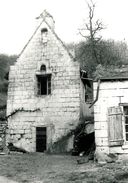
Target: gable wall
(60, 111)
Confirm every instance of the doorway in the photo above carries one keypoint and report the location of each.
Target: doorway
(41, 139)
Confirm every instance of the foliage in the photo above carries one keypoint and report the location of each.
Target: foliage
(109, 53)
(95, 53)
(5, 62)
(21, 110)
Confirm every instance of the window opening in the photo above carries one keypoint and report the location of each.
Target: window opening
(88, 94)
(44, 33)
(126, 122)
(44, 30)
(44, 84)
(88, 86)
(43, 68)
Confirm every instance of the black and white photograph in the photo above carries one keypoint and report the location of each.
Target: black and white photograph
(63, 91)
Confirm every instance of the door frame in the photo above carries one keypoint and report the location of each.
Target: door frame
(49, 133)
(45, 135)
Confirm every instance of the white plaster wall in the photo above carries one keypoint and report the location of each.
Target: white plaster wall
(111, 93)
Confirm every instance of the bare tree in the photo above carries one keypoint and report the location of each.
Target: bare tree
(91, 30)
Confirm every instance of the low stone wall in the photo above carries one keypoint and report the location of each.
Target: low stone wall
(3, 126)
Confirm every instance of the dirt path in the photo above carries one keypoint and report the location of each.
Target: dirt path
(5, 180)
(40, 168)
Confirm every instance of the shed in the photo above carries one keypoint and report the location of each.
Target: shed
(111, 117)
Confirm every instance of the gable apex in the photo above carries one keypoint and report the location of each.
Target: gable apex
(47, 17)
(45, 14)
(46, 25)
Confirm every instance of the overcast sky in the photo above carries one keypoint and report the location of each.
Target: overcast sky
(17, 20)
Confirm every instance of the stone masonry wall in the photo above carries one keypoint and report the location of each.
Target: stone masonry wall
(60, 111)
(111, 93)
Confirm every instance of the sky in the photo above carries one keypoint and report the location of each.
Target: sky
(18, 20)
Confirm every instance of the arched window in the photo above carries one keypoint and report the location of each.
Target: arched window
(43, 68)
(43, 82)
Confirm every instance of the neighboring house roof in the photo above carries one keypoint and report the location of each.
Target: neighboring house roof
(44, 20)
(114, 79)
(112, 73)
(117, 74)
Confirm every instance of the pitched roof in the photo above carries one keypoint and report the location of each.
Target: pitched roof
(43, 16)
(111, 72)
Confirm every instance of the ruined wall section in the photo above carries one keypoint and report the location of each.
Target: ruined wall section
(60, 111)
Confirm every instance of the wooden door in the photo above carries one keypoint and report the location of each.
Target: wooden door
(41, 139)
(115, 128)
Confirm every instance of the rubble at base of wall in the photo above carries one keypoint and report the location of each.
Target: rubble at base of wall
(123, 157)
(2, 135)
(103, 158)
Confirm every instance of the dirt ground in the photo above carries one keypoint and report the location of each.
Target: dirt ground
(42, 168)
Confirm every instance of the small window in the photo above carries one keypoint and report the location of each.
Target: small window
(44, 84)
(43, 68)
(88, 94)
(44, 35)
(44, 30)
(126, 122)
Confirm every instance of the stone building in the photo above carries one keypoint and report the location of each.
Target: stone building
(44, 94)
(111, 117)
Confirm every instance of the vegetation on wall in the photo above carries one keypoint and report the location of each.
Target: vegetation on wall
(5, 62)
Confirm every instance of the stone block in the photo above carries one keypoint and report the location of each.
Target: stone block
(104, 125)
(21, 131)
(101, 141)
(97, 125)
(116, 150)
(101, 133)
(102, 149)
(11, 131)
(100, 117)
(28, 136)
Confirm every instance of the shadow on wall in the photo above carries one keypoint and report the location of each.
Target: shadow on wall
(63, 145)
(81, 139)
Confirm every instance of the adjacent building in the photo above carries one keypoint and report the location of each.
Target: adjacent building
(111, 116)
